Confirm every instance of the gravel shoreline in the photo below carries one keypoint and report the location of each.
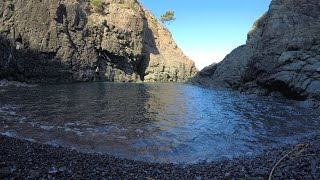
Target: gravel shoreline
(20, 159)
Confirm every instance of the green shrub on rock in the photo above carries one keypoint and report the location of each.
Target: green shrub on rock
(167, 17)
(97, 5)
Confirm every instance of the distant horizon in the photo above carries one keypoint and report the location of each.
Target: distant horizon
(208, 31)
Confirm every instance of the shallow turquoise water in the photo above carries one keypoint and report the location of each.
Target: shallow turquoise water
(167, 122)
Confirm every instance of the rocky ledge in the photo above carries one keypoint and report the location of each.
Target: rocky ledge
(281, 55)
(87, 40)
(21, 159)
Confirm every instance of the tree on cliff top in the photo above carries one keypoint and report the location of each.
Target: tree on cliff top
(167, 17)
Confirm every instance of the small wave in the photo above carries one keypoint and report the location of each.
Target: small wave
(9, 134)
(46, 127)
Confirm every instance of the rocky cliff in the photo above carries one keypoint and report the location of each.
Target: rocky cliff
(83, 40)
(282, 54)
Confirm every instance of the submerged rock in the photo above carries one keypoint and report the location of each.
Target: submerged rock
(54, 41)
(282, 53)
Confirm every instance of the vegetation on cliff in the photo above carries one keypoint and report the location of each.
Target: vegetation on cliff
(167, 17)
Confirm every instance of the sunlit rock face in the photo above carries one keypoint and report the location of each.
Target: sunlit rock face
(54, 40)
(282, 54)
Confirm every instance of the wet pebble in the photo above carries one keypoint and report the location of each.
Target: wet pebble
(5, 172)
(62, 169)
(59, 163)
(34, 174)
(260, 171)
(52, 171)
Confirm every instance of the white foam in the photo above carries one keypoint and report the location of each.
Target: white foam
(139, 131)
(79, 133)
(75, 130)
(46, 127)
(9, 134)
(29, 139)
(122, 137)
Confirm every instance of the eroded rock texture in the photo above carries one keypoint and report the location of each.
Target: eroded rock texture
(282, 54)
(70, 40)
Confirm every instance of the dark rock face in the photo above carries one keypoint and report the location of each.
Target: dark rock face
(57, 40)
(282, 54)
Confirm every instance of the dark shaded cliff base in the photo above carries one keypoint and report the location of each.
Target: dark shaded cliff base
(22, 159)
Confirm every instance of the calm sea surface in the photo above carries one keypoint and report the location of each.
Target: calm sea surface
(154, 122)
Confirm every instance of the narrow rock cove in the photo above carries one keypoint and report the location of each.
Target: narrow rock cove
(153, 122)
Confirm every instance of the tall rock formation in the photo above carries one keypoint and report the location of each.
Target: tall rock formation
(282, 54)
(83, 40)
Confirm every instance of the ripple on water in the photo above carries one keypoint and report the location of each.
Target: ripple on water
(168, 122)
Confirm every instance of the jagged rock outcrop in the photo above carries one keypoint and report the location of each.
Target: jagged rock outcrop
(282, 54)
(83, 40)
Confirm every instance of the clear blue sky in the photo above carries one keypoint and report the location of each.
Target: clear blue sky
(207, 30)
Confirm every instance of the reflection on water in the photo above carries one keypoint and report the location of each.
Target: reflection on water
(153, 122)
